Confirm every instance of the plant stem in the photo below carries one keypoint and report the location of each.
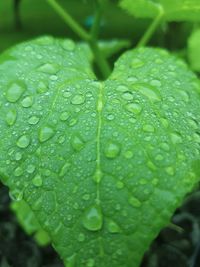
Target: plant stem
(91, 38)
(69, 20)
(152, 28)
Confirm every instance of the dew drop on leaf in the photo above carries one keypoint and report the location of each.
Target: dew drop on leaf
(49, 68)
(42, 87)
(33, 120)
(37, 180)
(64, 116)
(68, 45)
(45, 133)
(135, 202)
(27, 102)
(176, 138)
(134, 108)
(23, 141)
(78, 99)
(113, 227)
(30, 168)
(90, 263)
(16, 195)
(81, 237)
(148, 128)
(18, 156)
(127, 96)
(18, 171)
(15, 91)
(112, 150)
(77, 143)
(11, 117)
(149, 92)
(64, 169)
(93, 218)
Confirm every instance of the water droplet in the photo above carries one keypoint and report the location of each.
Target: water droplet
(33, 120)
(137, 63)
(16, 195)
(110, 117)
(135, 202)
(134, 108)
(71, 261)
(148, 128)
(165, 146)
(18, 171)
(81, 237)
(119, 185)
(90, 263)
(184, 95)
(30, 168)
(98, 176)
(64, 169)
(156, 83)
(112, 150)
(18, 156)
(78, 99)
(23, 141)
(53, 77)
(45, 133)
(11, 117)
(127, 95)
(128, 154)
(64, 116)
(150, 92)
(27, 102)
(170, 170)
(15, 91)
(49, 68)
(37, 180)
(176, 138)
(93, 219)
(86, 197)
(42, 87)
(68, 45)
(72, 122)
(67, 94)
(113, 227)
(122, 88)
(164, 122)
(77, 143)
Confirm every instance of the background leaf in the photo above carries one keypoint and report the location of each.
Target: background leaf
(103, 165)
(194, 51)
(173, 10)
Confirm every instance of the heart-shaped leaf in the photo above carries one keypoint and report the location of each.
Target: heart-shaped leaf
(103, 165)
(172, 10)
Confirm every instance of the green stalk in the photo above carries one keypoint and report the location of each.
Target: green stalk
(91, 38)
(152, 28)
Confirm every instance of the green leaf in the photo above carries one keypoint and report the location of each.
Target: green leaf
(28, 221)
(102, 164)
(172, 10)
(193, 50)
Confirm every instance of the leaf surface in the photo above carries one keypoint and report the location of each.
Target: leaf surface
(172, 10)
(103, 165)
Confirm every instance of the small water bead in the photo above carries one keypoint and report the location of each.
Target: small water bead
(119, 185)
(45, 133)
(148, 128)
(18, 171)
(78, 99)
(61, 139)
(134, 108)
(128, 154)
(98, 176)
(156, 83)
(112, 150)
(53, 77)
(137, 63)
(71, 261)
(159, 157)
(37, 180)
(31, 168)
(164, 122)
(90, 263)
(81, 237)
(149, 92)
(170, 170)
(73, 121)
(33, 120)
(193, 123)
(136, 203)
(77, 143)
(64, 116)
(65, 168)
(67, 94)
(165, 146)
(23, 141)
(93, 218)
(86, 197)
(18, 156)
(11, 117)
(127, 96)
(15, 91)
(16, 195)
(176, 138)
(27, 102)
(122, 88)
(113, 227)
(42, 87)
(49, 68)
(110, 117)
(68, 45)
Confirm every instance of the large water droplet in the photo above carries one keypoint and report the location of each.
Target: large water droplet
(113, 227)
(134, 108)
(33, 120)
(112, 150)
(150, 92)
(64, 116)
(98, 176)
(45, 133)
(37, 180)
(78, 99)
(68, 45)
(49, 68)
(11, 117)
(30, 168)
(18, 156)
(176, 138)
(127, 95)
(135, 202)
(77, 143)
(23, 141)
(64, 169)
(81, 237)
(148, 128)
(16, 195)
(42, 87)
(15, 91)
(137, 63)
(27, 102)
(93, 218)
(18, 171)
